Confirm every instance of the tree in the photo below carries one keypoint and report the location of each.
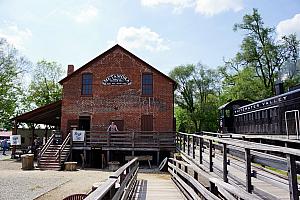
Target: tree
(44, 87)
(261, 51)
(12, 67)
(195, 97)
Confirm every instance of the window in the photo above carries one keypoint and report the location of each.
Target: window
(147, 85)
(87, 83)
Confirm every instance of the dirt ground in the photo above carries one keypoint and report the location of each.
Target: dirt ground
(36, 184)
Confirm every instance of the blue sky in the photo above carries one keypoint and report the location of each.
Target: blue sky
(164, 33)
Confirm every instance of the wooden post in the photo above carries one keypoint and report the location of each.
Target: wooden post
(188, 144)
(248, 170)
(14, 133)
(210, 156)
(157, 158)
(180, 141)
(225, 171)
(200, 150)
(108, 156)
(193, 147)
(292, 174)
(84, 151)
(184, 143)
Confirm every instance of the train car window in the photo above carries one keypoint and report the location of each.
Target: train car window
(227, 113)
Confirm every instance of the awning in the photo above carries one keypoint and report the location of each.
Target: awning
(49, 114)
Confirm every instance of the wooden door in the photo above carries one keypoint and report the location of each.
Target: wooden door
(85, 123)
(147, 123)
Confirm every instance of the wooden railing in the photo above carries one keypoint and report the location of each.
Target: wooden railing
(62, 147)
(45, 147)
(247, 151)
(119, 185)
(132, 139)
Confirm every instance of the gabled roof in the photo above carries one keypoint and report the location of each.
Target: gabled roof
(107, 52)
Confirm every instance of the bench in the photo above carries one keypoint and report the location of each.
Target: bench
(141, 158)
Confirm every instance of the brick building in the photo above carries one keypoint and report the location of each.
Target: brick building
(115, 86)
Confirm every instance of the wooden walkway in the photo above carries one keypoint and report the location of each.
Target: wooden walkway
(155, 187)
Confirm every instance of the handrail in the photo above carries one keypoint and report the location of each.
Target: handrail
(119, 185)
(248, 145)
(248, 151)
(45, 147)
(62, 147)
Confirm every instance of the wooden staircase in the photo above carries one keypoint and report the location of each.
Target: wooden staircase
(53, 155)
(50, 161)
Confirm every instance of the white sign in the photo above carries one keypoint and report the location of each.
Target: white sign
(78, 135)
(15, 139)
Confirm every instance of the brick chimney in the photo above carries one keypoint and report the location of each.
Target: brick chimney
(70, 69)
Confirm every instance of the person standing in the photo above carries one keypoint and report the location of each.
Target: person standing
(4, 146)
(112, 127)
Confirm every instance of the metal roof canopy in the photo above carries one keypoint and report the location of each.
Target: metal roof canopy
(49, 115)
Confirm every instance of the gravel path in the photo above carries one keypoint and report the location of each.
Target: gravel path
(35, 184)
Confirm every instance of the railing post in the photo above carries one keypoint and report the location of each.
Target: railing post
(210, 156)
(184, 143)
(248, 170)
(188, 144)
(200, 150)
(225, 171)
(292, 174)
(193, 147)
(180, 141)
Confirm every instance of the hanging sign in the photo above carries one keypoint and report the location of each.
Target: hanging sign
(78, 135)
(116, 79)
(15, 139)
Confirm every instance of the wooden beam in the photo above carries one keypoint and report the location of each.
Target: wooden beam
(210, 156)
(225, 171)
(200, 150)
(292, 175)
(193, 147)
(249, 187)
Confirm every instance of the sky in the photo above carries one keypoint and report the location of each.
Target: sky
(164, 33)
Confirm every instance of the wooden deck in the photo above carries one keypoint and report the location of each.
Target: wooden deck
(155, 187)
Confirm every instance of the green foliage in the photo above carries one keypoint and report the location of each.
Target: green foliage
(196, 98)
(263, 53)
(12, 68)
(44, 87)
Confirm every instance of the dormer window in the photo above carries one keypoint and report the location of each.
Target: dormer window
(87, 84)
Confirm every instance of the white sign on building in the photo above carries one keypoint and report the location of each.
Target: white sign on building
(78, 135)
(15, 139)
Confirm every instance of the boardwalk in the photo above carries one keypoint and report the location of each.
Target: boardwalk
(155, 187)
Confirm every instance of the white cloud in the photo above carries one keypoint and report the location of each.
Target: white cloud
(289, 26)
(204, 7)
(16, 36)
(178, 4)
(140, 38)
(213, 7)
(82, 14)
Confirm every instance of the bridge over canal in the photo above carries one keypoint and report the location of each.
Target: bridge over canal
(212, 166)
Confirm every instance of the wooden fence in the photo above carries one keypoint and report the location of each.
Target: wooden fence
(119, 185)
(132, 139)
(247, 151)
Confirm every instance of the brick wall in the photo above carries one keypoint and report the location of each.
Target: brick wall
(118, 102)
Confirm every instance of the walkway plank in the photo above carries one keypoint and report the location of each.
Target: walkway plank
(156, 186)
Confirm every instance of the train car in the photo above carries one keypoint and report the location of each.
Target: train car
(226, 113)
(277, 115)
